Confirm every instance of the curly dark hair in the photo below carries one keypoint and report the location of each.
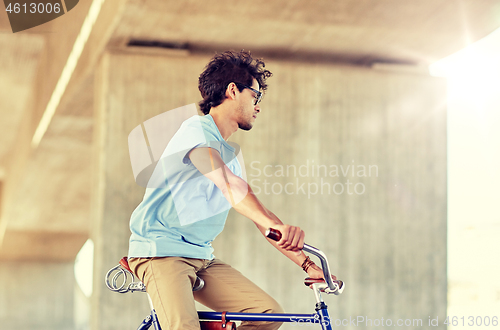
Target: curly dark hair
(225, 68)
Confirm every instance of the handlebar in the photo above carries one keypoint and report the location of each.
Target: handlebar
(336, 287)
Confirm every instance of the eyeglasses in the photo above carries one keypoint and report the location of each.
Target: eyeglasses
(258, 94)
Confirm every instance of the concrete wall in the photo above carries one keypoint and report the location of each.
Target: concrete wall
(36, 295)
(385, 233)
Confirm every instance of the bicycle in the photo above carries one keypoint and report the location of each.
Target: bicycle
(328, 286)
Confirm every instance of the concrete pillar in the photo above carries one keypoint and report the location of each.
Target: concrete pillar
(130, 88)
(36, 295)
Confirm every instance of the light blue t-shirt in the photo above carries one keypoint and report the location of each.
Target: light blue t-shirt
(185, 211)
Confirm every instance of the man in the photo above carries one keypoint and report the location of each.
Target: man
(173, 227)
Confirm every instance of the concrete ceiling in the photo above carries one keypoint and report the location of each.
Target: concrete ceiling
(46, 197)
(420, 31)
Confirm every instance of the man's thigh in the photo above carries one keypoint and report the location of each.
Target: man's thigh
(169, 283)
(226, 289)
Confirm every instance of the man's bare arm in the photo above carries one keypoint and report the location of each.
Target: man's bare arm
(240, 195)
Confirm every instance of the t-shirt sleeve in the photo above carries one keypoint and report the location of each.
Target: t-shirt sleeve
(197, 134)
(216, 145)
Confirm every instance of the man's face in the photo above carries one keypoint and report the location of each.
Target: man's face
(247, 111)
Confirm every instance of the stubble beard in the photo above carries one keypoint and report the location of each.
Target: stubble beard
(244, 124)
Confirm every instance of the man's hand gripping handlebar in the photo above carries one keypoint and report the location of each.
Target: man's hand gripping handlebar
(334, 286)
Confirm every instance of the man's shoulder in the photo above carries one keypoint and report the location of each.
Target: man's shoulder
(197, 119)
(200, 124)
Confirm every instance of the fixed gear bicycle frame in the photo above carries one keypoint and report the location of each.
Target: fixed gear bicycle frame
(321, 315)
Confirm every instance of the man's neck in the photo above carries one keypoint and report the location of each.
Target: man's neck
(224, 120)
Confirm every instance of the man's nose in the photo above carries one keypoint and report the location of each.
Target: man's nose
(257, 108)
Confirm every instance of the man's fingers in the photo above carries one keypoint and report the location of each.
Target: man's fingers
(292, 238)
(301, 240)
(284, 237)
(287, 242)
(296, 239)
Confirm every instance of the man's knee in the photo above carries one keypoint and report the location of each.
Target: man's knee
(273, 307)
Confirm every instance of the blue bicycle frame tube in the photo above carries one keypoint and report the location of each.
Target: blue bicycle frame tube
(150, 320)
(146, 323)
(322, 311)
(155, 320)
(321, 317)
(295, 318)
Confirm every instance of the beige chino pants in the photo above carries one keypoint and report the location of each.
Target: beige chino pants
(169, 282)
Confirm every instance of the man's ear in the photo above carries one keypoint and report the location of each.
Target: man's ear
(231, 91)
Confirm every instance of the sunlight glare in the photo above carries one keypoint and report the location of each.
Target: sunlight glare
(84, 263)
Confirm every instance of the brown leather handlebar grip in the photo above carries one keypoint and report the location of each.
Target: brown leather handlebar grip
(273, 234)
(310, 281)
